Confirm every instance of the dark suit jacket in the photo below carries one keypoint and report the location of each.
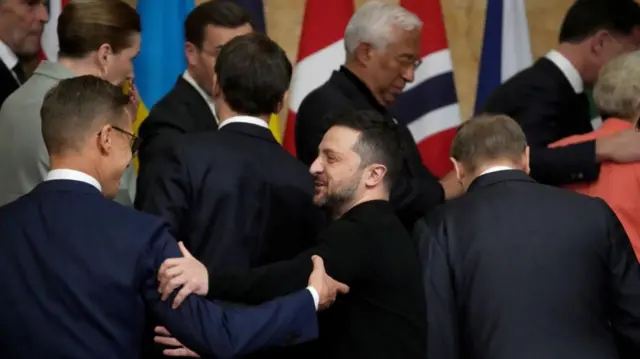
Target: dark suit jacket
(517, 269)
(370, 250)
(235, 197)
(182, 110)
(542, 101)
(8, 83)
(415, 191)
(79, 271)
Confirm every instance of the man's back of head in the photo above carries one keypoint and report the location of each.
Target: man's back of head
(86, 127)
(487, 142)
(252, 76)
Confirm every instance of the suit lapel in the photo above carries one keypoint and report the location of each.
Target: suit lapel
(8, 83)
(197, 107)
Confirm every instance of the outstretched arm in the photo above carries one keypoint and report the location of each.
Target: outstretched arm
(225, 332)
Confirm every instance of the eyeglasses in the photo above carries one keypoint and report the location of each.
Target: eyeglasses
(409, 63)
(135, 140)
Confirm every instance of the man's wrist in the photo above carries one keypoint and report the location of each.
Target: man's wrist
(315, 295)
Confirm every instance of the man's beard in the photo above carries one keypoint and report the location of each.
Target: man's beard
(336, 200)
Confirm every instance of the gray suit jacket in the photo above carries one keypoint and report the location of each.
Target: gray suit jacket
(24, 160)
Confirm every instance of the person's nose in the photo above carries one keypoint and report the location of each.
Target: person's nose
(42, 13)
(316, 167)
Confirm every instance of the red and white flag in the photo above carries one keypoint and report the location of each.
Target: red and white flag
(321, 52)
(49, 41)
(428, 106)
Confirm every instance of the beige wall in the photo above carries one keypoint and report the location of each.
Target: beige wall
(464, 20)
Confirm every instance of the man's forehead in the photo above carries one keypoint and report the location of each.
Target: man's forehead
(339, 139)
(218, 35)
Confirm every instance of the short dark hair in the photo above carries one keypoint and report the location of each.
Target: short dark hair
(74, 107)
(379, 140)
(488, 137)
(253, 73)
(83, 26)
(222, 13)
(586, 17)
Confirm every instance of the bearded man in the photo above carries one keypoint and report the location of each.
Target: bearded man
(366, 247)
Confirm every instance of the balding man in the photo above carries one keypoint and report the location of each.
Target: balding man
(517, 269)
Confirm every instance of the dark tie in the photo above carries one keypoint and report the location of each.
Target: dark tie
(19, 71)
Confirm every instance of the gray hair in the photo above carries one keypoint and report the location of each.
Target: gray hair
(617, 91)
(374, 23)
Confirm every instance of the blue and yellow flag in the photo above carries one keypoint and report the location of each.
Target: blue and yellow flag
(161, 59)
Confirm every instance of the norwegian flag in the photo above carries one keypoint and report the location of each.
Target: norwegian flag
(321, 52)
(49, 42)
(428, 106)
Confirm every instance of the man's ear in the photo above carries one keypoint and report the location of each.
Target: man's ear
(105, 139)
(191, 52)
(375, 175)
(525, 161)
(216, 91)
(459, 168)
(282, 103)
(364, 53)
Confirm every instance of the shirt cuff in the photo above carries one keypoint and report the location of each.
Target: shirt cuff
(315, 295)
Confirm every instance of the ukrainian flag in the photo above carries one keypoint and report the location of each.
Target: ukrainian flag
(162, 59)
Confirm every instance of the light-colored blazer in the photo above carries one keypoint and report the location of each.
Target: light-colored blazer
(24, 160)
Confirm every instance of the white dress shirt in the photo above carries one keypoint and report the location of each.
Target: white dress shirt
(567, 68)
(72, 175)
(244, 119)
(496, 169)
(573, 76)
(187, 77)
(9, 58)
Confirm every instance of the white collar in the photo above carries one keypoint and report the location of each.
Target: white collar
(7, 56)
(567, 68)
(187, 77)
(72, 175)
(244, 119)
(496, 169)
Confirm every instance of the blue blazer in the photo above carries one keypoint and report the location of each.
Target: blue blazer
(79, 278)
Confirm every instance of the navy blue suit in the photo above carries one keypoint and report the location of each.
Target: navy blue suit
(79, 276)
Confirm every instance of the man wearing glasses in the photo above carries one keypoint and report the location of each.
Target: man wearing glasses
(382, 44)
(189, 107)
(106, 50)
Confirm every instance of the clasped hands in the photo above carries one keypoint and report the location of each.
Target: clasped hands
(191, 276)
